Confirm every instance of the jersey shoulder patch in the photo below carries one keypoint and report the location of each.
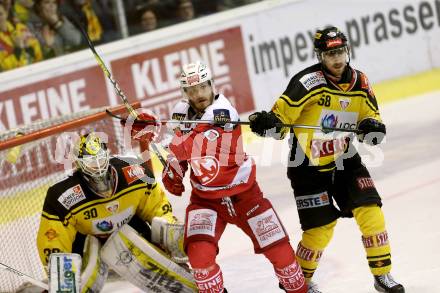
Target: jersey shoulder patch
(312, 80)
(303, 82)
(72, 196)
(67, 193)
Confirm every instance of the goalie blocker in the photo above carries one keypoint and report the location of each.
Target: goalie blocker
(143, 264)
(68, 272)
(65, 272)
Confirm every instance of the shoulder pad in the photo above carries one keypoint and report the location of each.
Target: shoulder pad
(311, 78)
(180, 110)
(221, 110)
(68, 192)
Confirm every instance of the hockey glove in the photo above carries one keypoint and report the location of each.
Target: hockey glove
(262, 121)
(169, 236)
(371, 131)
(172, 176)
(144, 128)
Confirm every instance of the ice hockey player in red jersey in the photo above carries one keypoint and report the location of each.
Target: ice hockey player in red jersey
(224, 187)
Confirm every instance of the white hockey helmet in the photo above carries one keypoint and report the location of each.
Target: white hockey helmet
(92, 155)
(194, 74)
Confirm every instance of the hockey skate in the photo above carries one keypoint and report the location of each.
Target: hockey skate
(386, 283)
(313, 288)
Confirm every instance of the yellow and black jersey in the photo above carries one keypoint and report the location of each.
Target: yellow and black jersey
(314, 98)
(71, 207)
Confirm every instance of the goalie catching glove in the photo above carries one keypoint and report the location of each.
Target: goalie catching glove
(144, 128)
(169, 236)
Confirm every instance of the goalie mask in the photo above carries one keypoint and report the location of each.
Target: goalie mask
(92, 159)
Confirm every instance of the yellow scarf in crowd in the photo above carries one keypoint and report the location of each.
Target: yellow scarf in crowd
(8, 58)
(21, 12)
(94, 28)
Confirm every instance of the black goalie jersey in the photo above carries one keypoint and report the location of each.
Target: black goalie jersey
(71, 207)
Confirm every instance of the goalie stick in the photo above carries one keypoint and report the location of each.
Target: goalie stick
(24, 276)
(322, 128)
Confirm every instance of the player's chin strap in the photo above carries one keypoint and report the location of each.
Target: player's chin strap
(143, 264)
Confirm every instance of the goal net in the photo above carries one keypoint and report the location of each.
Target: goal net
(26, 172)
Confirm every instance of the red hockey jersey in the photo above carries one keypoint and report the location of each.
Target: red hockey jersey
(219, 165)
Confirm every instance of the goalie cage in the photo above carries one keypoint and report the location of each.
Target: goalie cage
(27, 168)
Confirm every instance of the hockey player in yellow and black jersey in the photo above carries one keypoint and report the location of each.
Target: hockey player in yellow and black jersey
(324, 166)
(102, 195)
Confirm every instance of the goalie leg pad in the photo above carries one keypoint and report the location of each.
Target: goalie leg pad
(143, 264)
(94, 270)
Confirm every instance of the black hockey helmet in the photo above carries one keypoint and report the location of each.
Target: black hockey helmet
(329, 39)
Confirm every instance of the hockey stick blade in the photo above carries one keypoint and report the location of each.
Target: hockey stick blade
(24, 276)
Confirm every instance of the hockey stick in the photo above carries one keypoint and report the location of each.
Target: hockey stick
(25, 277)
(322, 128)
(108, 74)
(118, 90)
(135, 115)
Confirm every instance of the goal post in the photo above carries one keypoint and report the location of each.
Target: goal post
(29, 164)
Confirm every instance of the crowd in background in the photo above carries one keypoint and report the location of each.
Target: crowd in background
(35, 30)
